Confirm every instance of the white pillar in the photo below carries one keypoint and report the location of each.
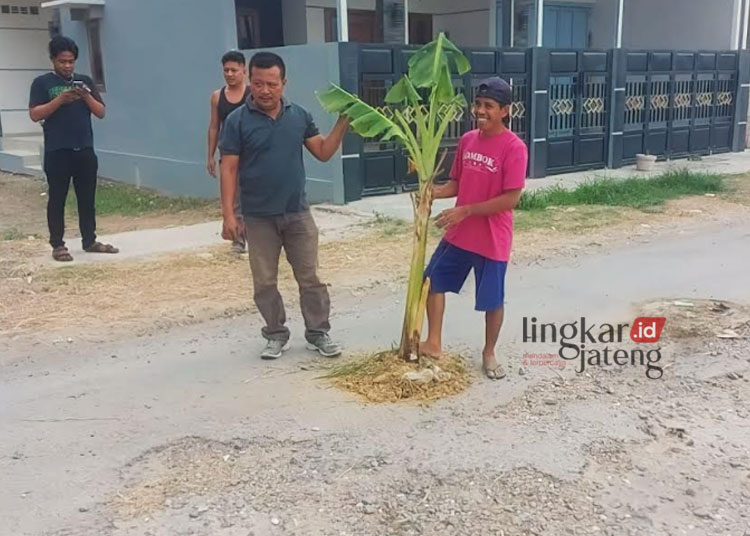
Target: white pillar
(406, 22)
(620, 10)
(745, 22)
(342, 15)
(493, 23)
(512, 22)
(737, 25)
(539, 23)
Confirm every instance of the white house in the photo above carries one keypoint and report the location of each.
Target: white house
(645, 24)
(24, 34)
(156, 61)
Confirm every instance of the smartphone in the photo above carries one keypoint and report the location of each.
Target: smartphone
(79, 84)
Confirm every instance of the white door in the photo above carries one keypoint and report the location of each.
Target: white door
(24, 36)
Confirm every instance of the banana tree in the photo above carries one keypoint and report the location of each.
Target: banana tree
(416, 114)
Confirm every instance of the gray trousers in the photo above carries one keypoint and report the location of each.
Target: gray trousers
(297, 234)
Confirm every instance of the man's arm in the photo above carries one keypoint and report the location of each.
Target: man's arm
(213, 134)
(445, 191)
(229, 166)
(43, 111)
(40, 112)
(506, 201)
(95, 104)
(230, 146)
(513, 177)
(323, 148)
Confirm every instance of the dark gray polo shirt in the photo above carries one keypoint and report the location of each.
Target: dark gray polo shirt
(271, 172)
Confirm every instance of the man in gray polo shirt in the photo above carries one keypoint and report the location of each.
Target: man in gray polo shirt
(261, 143)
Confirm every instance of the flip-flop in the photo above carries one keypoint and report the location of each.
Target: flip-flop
(496, 373)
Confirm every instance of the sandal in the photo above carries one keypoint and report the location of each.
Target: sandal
(98, 247)
(61, 254)
(496, 373)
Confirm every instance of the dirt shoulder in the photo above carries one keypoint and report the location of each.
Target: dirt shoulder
(187, 432)
(23, 213)
(139, 297)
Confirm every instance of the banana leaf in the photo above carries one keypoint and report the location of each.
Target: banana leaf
(366, 121)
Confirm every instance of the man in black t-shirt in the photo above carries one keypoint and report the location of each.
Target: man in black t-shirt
(223, 102)
(64, 101)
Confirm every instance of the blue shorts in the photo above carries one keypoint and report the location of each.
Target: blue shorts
(450, 266)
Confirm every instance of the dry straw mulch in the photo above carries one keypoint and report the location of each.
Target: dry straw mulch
(380, 378)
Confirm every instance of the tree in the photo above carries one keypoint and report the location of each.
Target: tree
(418, 124)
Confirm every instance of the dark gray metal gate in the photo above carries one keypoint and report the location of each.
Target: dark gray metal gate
(678, 103)
(576, 110)
(383, 167)
(577, 85)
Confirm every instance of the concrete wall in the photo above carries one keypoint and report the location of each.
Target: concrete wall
(316, 29)
(23, 57)
(603, 24)
(159, 74)
(294, 13)
(157, 96)
(679, 24)
(312, 68)
(467, 23)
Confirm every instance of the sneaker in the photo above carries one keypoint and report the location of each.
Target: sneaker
(274, 349)
(238, 247)
(324, 346)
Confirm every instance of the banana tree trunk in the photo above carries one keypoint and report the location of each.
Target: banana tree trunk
(418, 287)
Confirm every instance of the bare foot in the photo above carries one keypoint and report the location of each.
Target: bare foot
(430, 350)
(488, 359)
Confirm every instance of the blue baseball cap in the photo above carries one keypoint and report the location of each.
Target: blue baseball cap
(497, 89)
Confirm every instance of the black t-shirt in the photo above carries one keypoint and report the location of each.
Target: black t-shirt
(70, 126)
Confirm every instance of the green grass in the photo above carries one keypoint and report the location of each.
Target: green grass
(633, 193)
(583, 218)
(390, 225)
(125, 200)
(12, 234)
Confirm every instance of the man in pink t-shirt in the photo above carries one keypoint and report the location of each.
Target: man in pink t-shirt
(488, 176)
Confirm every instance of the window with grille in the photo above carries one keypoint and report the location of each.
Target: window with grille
(95, 49)
(11, 9)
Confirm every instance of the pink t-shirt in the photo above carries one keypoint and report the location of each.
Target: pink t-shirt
(486, 167)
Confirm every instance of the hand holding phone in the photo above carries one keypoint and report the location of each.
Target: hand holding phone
(70, 95)
(80, 85)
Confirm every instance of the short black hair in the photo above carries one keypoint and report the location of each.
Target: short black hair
(233, 55)
(267, 60)
(60, 44)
